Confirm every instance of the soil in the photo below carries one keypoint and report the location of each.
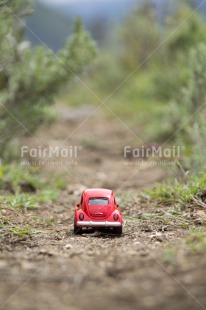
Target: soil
(51, 268)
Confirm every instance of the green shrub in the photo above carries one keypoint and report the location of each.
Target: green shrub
(31, 77)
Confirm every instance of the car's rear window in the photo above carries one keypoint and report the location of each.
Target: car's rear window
(98, 201)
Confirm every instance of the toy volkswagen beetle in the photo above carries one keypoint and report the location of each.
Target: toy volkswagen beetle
(98, 210)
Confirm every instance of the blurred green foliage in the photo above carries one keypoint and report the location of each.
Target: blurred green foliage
(156, 75)
(20, 179)
(31, 77)
(140, 37)
(155, 72)
(25, 188)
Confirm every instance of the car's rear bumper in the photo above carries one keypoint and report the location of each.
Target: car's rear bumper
(98, 224)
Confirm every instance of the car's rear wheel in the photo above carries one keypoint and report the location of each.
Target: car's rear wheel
(118, 230)
(77, 230)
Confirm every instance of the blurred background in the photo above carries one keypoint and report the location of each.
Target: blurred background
(52, 20)
(141, 64)
(157, 41)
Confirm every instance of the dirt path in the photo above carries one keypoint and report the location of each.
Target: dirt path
(100, 143)
(53, 269)
(50, 268)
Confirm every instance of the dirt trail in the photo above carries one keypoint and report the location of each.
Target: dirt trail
(53, 269)
(100, 143)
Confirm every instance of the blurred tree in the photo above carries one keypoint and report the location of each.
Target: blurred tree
(189, 112)
(31, 77)
(167, 39)
(140, 36)
(189, 30)
(183, 30)
(195, 93)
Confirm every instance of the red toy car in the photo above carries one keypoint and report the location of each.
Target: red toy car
(98, 210)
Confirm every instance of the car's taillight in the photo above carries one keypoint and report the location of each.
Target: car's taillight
(81, 216)
(115, 216)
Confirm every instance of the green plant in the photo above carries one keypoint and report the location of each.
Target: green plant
(21, 231)
(31, 77)
(20, 202)
(177, 191)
